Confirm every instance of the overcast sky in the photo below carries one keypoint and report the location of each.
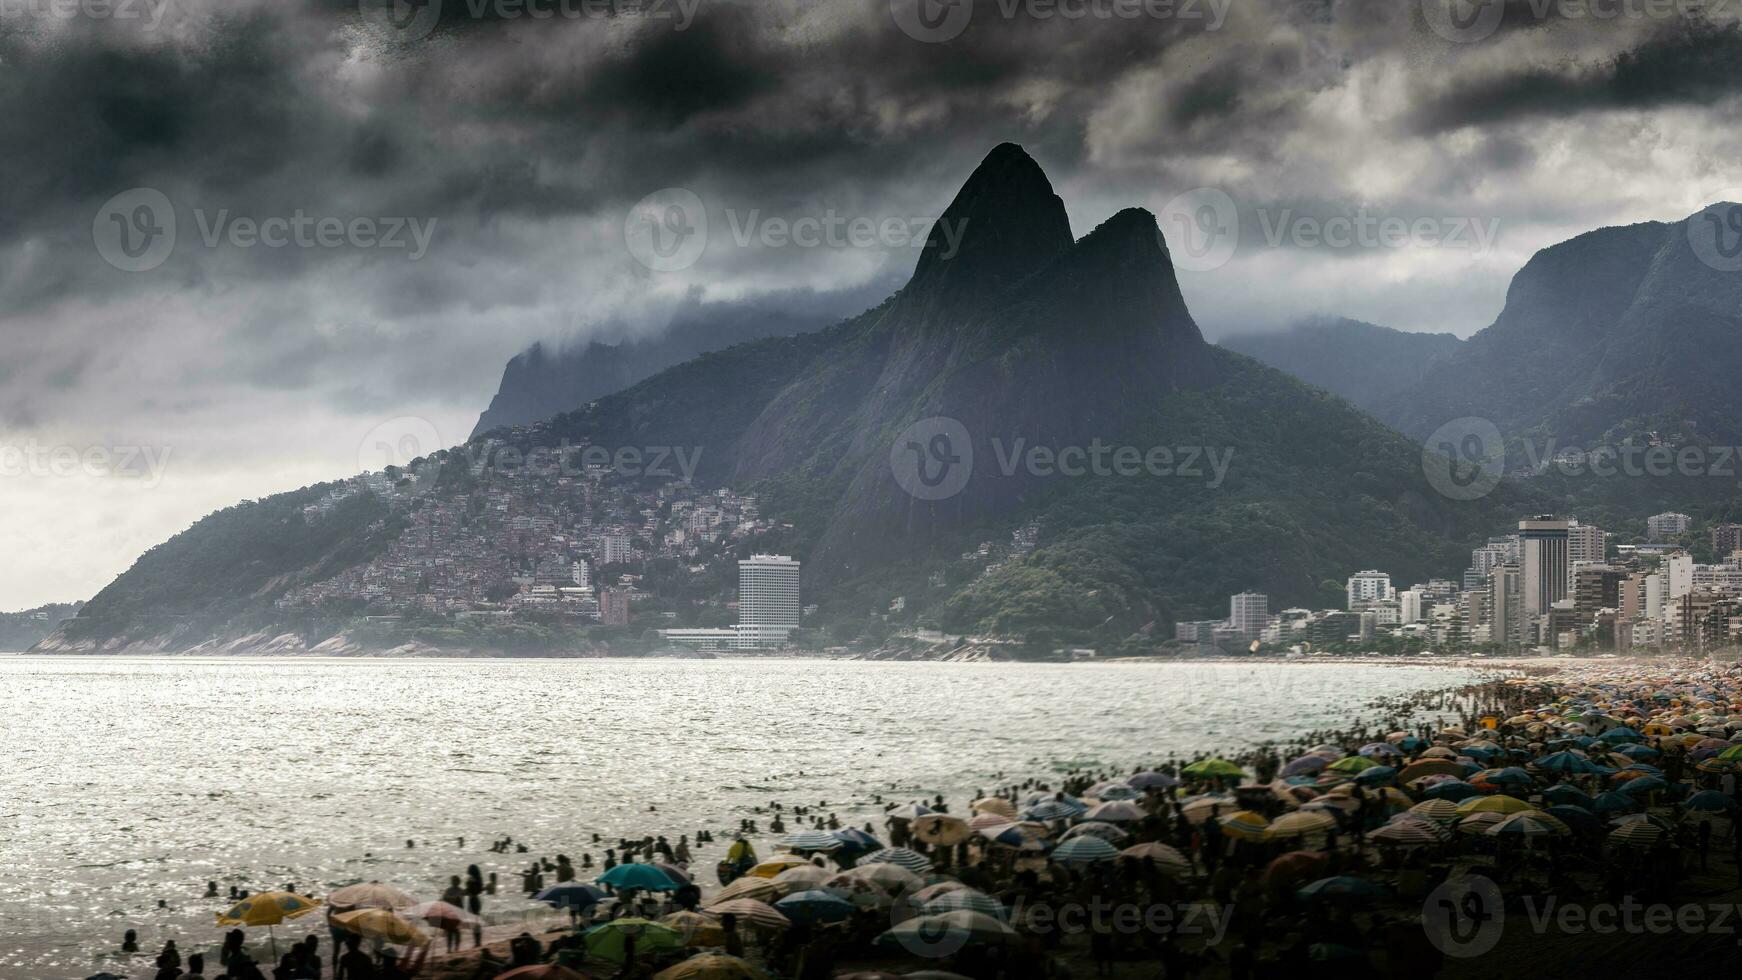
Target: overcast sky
(478, 172)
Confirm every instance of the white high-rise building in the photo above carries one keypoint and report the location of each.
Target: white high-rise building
(1409, 606)
(768, 602)
(1585, 543)
(1249, 613)
(613, 548)
(1678, 576)
(1367, 587)
(1546, 568)
(579, 575)
(1662, 527)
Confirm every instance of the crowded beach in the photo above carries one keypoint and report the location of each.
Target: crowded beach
(1426, 838)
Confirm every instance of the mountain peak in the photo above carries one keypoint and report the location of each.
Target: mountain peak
(1004, 224)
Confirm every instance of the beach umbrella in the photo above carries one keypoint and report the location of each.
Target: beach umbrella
(856, 841)
(908, 811)
(930, 892)
(941, 830)
(901, 857)
(1641, 753)
(441, 914)
(372, 894)
(1166, 858)
(994, 804)
(1201, 809)
(775, 865)
(1623, 734)
(675, 873)
(814, 906)
(268, 909)
(1527, 825)
(1439, 752)
(1342, 888)
(812, 840)
(1374, 750)
(1300, 823)
(859, 890)
(751, 913)
(609, 941)
(1084, 850)
(1352, 764)
(383, 924)
(1118, 791)
(1053, 810)
(801, 878)
(1092, 828)
(960, 926)
(1510, 776)
(1498, 803)
(1643, 784)
(1436, 809)
(1015, 835)
(1244, 825)
(1613, 802)
(748, 887)
(892, 878)
(1478, 823)
(1640, 833)
(1710, 801)
(1455, 790)
(1118, 811)
(1568, 795)
(1576, 817)
(696, 928)
(1152, 780)
(642, 876)
(1376, 776)
(712, 966)
(1411, 743)
(1430, 767)
(980, 821)
(571, 895)
(1294, 866)
(1304, 765)
(1214, 768)
(966, 898)
(1404, 833)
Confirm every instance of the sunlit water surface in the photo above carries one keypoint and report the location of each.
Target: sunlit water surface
(129, 781)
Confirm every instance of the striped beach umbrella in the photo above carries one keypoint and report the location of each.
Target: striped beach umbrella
(1117, 811)
(994, 804)
(1302, 822)
(966, 898)
(812, 840)
(1245, 825)
(1166, 858)
(750, 912)
(892, 878)
(1084, 850)
(899, 856)
(859, 890)
(1095, 828)
(1053, 810)
(1405, 833)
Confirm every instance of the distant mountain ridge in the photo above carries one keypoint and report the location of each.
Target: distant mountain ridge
(991, 370)
(1368, 364)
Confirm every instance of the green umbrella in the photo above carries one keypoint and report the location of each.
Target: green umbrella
(607, 941)
(1353, 763)
(1215, 767)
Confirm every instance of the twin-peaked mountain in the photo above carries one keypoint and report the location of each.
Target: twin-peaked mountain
(1197, 472)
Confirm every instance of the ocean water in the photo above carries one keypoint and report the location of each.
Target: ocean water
(133, 781)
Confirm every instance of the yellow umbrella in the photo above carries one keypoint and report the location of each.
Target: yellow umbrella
(381, 924)
(1245, 825)
(994, 804)
(1499, 803)
(1301, 822)
(370, 894)
(267, 909)
(748, 887)
(941, 829)
(712, 966)
(697, 929)
(776, 864)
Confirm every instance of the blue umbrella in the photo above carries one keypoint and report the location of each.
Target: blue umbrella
(1561, 793)
(1372, 749)
(1341, 888)
(857, 841)
(1412, 743)
(1566, 763)
(1613, 802)
(1084, 850)
(1576, 817)
(1452, 789)
(1643, 784)
(812, 840)
(571, 895)
(1710, 801)
(1509, 776)
(814, 905)
(1376, 776)
(1152, 780)
(643, 876)
(1305, 764)
(1052, 810)
(1622, 734)
(1644, 753)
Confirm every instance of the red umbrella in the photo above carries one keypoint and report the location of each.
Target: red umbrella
(1294, 866)
(441, 914)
